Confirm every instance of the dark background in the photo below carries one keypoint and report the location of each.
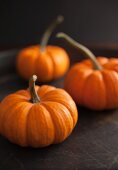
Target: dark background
(22, 22)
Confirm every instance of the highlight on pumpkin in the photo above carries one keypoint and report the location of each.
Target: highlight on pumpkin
(48, 62)
(93, 82)
(49, 122)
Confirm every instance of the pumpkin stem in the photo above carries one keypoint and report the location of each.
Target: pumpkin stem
(84, 50)
(48, 32)
(34, 96)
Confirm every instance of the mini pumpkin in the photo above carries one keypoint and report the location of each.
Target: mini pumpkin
(93, 82)
(46, 61)
(38, 116)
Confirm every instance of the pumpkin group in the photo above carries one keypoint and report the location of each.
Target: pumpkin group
(93, 83)
(46, 61)
(38, 116)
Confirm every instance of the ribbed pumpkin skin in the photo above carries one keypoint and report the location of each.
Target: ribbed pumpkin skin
(95, 89)
(48, 65)
(38, 125)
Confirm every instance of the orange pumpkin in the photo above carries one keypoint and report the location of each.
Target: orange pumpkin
(37, 117)
(93, 82)
(46, 61)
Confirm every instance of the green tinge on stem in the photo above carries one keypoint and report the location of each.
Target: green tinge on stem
(34, 96)
(48, 32)
(84, 50)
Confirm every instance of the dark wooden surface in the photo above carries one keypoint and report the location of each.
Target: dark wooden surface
(92, 145)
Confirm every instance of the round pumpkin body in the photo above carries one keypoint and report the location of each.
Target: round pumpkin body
(49, 121)
(95, 89)
(50, 64)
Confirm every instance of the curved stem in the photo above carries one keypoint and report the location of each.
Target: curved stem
(48, 32)
(84, 50)
(34, 96)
